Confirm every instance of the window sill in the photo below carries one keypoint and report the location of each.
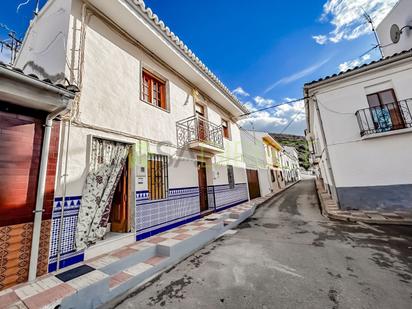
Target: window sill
(388, 133)
(162, 109)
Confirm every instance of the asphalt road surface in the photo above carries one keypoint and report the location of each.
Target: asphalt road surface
(289, 256)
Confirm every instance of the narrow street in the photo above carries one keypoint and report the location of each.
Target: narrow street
(289, 256)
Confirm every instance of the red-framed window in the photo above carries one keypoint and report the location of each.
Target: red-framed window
(153, 90)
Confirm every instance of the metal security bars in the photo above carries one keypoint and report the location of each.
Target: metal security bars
(158, 176)
(199, 129)
(384, 118)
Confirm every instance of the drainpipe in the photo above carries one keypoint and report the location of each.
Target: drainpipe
(328, 161)
(38, 212)
(61, 227)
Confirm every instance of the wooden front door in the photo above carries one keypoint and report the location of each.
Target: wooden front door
(253, 181)
(119, 216)
(201, 172)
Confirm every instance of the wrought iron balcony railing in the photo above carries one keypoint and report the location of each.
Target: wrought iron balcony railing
(199, 129)
(384, 118)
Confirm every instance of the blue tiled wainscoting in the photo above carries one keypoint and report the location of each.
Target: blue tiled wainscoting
(225, 197)
(156, 216)
(68, 254)
(152, 217)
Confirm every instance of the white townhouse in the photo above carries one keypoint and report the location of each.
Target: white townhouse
(290, 164)
(360, 124)
(262, 155)
(151, 141)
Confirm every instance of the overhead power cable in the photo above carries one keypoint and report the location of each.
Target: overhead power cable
(273, 106)
(292, 119)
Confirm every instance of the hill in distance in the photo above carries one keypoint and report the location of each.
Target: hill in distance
(299, 142)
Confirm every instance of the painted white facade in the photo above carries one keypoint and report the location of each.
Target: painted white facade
(290, 164)
(107, 45)
(401, 15)
(369, 171)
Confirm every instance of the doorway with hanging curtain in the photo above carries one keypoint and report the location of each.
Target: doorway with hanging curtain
(104, 203)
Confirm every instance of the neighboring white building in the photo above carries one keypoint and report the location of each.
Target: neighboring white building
(359, 129)
(263, 158)
(151, 142)
(290, 164)
(399, 18)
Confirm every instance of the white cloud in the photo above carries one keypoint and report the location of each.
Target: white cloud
(298, 75)
(262, 102)
(239, 91)
(250, 106)
(346, 16)
(263, 121)
(320, 39)
(291, 109)
(275, 120)
(354, 63)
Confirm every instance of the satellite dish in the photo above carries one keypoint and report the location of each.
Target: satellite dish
(395, 33)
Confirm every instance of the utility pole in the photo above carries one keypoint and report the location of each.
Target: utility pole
(12, 43)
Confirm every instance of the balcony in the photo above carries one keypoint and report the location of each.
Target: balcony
(385, 118)
(198, 133)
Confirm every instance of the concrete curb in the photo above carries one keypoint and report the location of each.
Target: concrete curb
(331, 210)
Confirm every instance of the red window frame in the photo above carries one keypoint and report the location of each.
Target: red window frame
(153, 90)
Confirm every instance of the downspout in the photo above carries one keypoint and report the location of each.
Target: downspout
(61, 227)
(41, 186)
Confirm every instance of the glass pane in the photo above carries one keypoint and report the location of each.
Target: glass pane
(387, 97)
(146, 82)
(373, 100)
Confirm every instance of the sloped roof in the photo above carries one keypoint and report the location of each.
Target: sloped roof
(358, 68)
(69, 88)
(175, 40)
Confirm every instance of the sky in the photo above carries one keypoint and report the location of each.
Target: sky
(264, 50)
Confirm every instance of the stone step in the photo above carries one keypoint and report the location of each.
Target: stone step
(391, 215)
(124, 257)
(332, 209)
(231, 223)
(191, 239)
(133, 276)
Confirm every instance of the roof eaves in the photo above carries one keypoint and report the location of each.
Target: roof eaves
(179, 44)
(326, 78)
(73, 89)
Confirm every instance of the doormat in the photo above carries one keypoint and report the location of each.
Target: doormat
(74, 273)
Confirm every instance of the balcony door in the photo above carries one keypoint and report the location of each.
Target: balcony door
(385, 111)
(201, 122)
(203, 198)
